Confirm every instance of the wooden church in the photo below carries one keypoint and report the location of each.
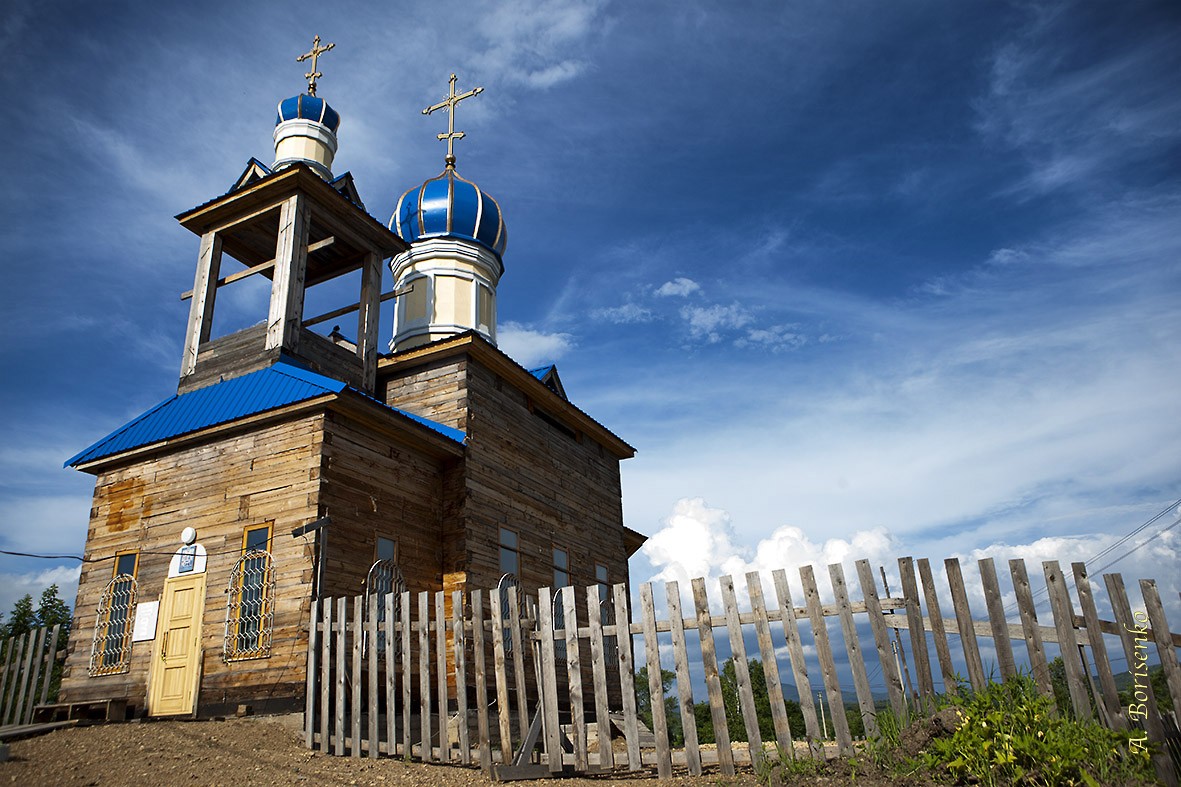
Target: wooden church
(294, 465)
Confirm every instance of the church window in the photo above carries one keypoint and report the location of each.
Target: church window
(110, 652)
(601, 577)
(561, 568)
(485, 309)
(384, 578)
(250, 610)
(510, 552)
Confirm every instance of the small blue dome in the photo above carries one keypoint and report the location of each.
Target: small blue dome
(305, 107)
(448, 206)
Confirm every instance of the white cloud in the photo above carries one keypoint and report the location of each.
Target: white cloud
(625, 314)
(530, 347)
(680, 287)
(707, 322)
(538, 44)
(776, 338)
(13, 586)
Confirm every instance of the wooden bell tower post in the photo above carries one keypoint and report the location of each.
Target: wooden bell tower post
(297, 230)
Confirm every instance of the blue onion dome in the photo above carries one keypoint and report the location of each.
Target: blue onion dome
(305, 107)
(449, 206)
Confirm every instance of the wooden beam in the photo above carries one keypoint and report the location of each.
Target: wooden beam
(352, 307)
(262, 266)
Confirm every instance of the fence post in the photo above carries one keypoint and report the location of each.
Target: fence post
(758, 607)
(832, 686)
(623, 640)
(1164, 640)
(501, 673)
(441, 674)
(996, 618)
(481, 681)
(938, 630)
(795, 650)
(881, 638)
(309, 708)
(574, 676)
(836, 574)
(326, 678)
(1029, 626)
(664, 766)
(391, 676)
(1110, 694)
(459, 648)
(549, 680)
(684, 686)
(918, 637)
(424, 675)
(1067, 639)
(965, 624)
(713, 684)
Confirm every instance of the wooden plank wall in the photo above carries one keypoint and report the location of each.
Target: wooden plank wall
(268, 476)
(568, 710)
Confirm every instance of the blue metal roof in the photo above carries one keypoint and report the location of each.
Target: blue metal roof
(305, 107)
(541, 371)
(279, 385)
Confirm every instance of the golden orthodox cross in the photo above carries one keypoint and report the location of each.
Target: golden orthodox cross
(449, 104)
(313, 75)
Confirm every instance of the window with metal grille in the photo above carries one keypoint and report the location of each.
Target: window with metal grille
(384, 578)
(561, 580)
(502, 588)
(250, 605)
(606, 612)
(110, 653)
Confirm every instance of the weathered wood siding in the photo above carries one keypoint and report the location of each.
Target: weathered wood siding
(269, 475)
(374, 486)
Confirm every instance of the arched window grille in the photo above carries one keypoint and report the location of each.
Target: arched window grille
(508, 581)
(607, 618)
(385, 577)
(250, 608)
(111, 652)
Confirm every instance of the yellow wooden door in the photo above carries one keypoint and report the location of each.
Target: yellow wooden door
(176, 662)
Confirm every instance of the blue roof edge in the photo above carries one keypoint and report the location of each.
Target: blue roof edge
(286, 366)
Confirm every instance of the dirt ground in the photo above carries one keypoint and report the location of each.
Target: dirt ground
(267, 753)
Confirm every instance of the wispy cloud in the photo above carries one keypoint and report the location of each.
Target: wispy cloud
(708, 322)
(536, 44)
(679, 287)
(530, 347)
(623, 315)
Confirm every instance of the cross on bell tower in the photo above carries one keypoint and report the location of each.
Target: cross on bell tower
(313, 75)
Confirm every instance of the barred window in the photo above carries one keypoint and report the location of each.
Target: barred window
(250, 608)
(384, 578)
(110, 653)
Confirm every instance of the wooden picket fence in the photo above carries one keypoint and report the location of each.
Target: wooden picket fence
(28, 662)
(480, 680)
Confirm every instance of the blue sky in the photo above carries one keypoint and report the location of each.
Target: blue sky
(858, 279)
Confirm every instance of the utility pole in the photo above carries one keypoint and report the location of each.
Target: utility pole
(823, 721)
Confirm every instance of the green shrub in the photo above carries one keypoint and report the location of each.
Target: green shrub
(1010, 734)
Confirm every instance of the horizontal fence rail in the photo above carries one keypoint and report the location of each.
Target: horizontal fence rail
(485, 678)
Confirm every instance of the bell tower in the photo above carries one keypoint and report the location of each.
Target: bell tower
(297, 226)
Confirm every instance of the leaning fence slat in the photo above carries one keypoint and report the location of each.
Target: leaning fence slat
(836, 573)
(407, 676)
(10, 648)
(309, 693)
(627, 686)
(326, 677)
(34, 675)
(881, 638)
(758, 607)
(549, 680)
(23, 678)
(918, 637)
(51, 661)
(481, 680)
(1109, 692)
(938, 630)
(1164, 643)
(1131, 634)
(836, 703)
(713, 683)
(746, 697)
(371, 695)
(459, 648)
(795, 650)
(358, 640)
(342, 629)
(391, 672)
(1030, 627)
(424, 675)
(599, 675)
(1063, 613)
(664, 765)
(996, 618)
(684, 686)
(441, 673)
(574, 676)
(519, 652)
(963, 618)
(500, 671)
